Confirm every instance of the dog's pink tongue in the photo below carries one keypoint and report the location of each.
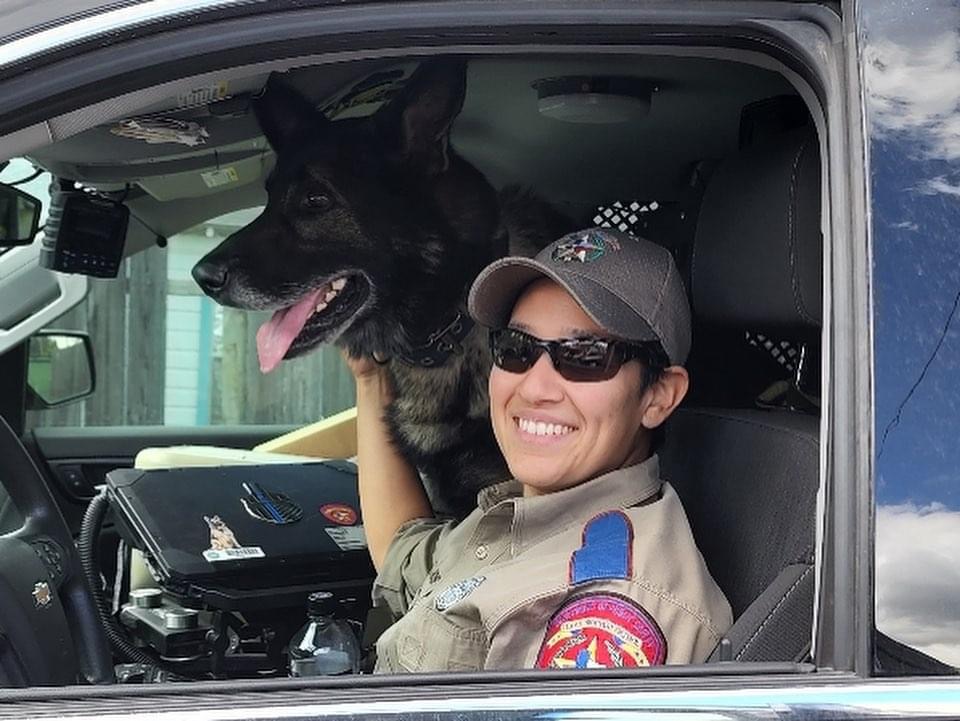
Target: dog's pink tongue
(276, 335)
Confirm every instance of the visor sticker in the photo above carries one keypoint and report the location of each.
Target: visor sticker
(220, 177)
(203, 96)
(224, 545)
(339, 513)
(457, 592)
(585, 247)
(162, 130)
(606, 551)
(348, 538)
(602, 631)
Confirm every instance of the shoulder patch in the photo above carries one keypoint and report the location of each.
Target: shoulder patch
(606, 551)
(602, 631)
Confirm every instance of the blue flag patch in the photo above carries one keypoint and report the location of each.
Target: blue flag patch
(607, 549)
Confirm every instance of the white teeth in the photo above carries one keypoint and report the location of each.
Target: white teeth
(333, 290)
(540, 428)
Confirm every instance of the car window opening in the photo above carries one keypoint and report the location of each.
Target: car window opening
(202, 559)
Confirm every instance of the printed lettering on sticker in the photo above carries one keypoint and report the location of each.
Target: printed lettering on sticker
(602, 631)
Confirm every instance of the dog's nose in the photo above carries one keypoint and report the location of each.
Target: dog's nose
(212, 277)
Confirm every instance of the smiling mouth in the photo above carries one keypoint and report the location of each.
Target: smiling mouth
(543, 429)
(315, 318)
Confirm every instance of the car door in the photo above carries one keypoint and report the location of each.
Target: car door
(813, 45)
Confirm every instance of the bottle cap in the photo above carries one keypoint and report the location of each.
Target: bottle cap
(321, 603)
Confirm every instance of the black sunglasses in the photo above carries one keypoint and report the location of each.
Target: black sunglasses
(585, 359)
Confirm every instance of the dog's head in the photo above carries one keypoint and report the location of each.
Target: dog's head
(373, 227)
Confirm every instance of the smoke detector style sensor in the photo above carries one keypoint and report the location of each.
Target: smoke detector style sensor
(594, 99)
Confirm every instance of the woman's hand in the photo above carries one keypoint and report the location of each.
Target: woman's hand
(363, 367)
(371, 377)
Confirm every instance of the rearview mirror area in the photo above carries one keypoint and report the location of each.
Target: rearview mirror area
(19, 216)
(60, 369)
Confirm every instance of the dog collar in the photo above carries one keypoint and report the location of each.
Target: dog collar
(441, 344)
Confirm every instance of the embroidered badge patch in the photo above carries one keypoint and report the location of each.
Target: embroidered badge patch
(607, 550)
(457, 592)
(585, 247)
(602, 631)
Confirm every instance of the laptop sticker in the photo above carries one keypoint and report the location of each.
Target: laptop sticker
(339, 513)
(224, 545)
(270, 506)
(348, 538)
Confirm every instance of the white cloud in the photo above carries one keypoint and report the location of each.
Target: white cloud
(912, 87)
(940, 184)
(907, 225)
(918, 578)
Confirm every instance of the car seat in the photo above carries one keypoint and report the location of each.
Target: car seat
(749, 478)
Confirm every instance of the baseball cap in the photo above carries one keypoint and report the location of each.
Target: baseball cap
(629, 286)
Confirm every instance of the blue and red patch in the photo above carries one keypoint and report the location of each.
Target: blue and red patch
(602, 631)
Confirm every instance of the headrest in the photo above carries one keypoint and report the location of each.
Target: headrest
(757, 255)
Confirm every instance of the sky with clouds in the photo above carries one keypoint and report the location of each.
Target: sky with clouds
(911, 61)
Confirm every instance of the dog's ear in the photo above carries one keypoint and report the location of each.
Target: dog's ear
(421, 114)
(282, 112)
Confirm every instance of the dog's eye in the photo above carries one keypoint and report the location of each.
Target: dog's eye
(318, 201)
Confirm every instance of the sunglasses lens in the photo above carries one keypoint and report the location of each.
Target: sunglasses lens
(585, 360)
(513, 351)
(576, 359)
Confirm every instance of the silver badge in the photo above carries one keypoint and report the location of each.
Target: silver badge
(41, 594)
(457, 592)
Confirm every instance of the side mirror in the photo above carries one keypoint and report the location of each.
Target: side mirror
(60, 368)
(19, 216)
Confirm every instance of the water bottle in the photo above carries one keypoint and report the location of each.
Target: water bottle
(324, 646)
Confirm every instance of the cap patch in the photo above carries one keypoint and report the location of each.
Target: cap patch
(585, 247)
(602, 631)
(457, 592)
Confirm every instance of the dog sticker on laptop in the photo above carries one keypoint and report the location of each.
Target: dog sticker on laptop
(224, 545)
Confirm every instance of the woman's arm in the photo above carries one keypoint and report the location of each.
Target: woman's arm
(390, 490)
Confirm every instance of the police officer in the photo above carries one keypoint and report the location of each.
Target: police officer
(584, 559)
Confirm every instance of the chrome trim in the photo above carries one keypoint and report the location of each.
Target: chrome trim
(880, 699)
(104, 23)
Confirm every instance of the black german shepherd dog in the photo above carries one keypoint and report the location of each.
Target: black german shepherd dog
(374, 229)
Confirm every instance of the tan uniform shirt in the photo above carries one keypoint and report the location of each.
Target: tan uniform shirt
(602, 574)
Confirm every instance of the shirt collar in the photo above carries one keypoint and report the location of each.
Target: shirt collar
(536, 517)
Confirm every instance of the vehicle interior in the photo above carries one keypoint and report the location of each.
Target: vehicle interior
(716, 158)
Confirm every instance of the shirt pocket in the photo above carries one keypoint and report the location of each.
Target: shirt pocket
(437, 643)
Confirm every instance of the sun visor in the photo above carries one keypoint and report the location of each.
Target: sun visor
(209, 180)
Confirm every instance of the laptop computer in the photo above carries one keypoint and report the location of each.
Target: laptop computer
(246, 536)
